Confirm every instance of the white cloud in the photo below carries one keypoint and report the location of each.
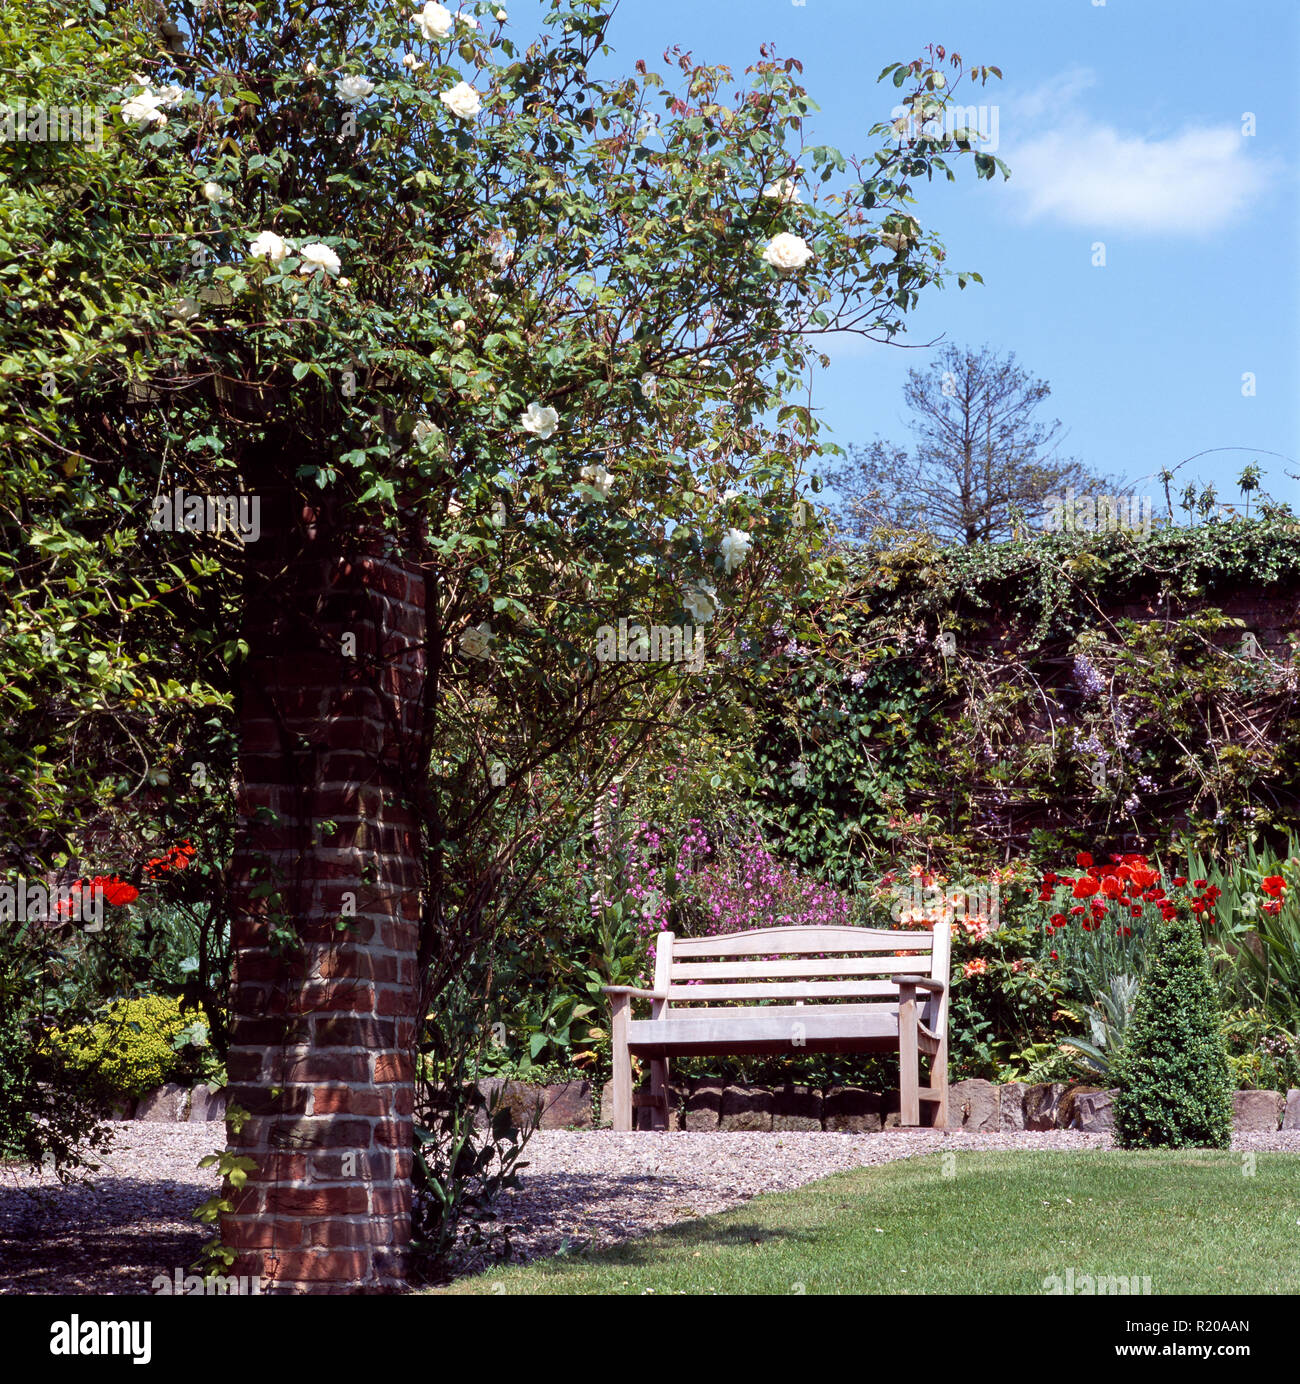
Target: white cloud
(1082, 172)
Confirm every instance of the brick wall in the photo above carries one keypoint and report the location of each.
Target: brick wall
(322, 1034)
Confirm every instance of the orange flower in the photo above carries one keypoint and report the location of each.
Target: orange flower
(975, 968)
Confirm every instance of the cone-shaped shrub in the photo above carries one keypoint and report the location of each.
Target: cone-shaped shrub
(1172, 1071)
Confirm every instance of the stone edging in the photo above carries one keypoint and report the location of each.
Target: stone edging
(977, 1106)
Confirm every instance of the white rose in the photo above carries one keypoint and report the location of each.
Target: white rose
(171, 96)
(502, 16)
(309, 70)
(734, 548)
(462, 100)
(476, 642)
(411, 61)
(269, 246)
(214, 192)
(700, 602)
(599, 479)
(316, 257)
(143, 111)
(649, 385)
(424, 428)
(434, 21)
(458, 326)
(468, 21)
(345, 283)
(539, 420)
(785, 189)
(353, 89)
(938, 81)
(897, 243)
(786, 251)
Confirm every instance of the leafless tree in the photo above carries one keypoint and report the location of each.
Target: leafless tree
(979, 461)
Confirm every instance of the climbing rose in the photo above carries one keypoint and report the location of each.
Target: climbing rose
(598, 478)
(142, 111)
(214, 192)
(462, 100)
(319, 257)
(434, 21)
(701, 603)
(539, 420)
(475, 642)
(786, 251)
(269, 246)
(733, 548)
(784, 189)
(353, 89)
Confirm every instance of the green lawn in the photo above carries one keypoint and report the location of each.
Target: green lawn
(997, 1223)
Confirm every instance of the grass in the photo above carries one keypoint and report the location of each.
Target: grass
(1193, 1222)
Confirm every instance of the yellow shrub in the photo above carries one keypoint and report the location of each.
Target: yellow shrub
(128, 1051)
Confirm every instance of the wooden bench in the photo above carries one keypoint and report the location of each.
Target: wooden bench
(723, 1005)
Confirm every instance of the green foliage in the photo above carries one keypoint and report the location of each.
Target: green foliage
(132, 1048)
(1000, 1014)
(1172, 1073)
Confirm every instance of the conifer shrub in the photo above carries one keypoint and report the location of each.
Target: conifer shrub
(1172, 1071)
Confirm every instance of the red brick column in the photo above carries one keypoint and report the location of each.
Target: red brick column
(322, 1033)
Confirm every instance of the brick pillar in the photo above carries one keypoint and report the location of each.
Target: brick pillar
(322, 1036)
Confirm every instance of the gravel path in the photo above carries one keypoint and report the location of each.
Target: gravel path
(131, 1220)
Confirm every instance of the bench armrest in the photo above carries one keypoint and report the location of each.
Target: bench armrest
(634, 992)
(920, 983)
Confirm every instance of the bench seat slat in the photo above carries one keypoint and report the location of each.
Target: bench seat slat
(800, 940)
(818, 966)
(825, 989)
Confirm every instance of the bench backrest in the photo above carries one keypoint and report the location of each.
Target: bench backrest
(811, 964)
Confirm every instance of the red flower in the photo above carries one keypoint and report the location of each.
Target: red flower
(1058, 920)
(1111, 887)
(118, 893)
(1199, 883)
(1136, 910)
(1049, 878)
(1271, 908)
(1167, 911)
(1044, 895)
(1076, 910)
(1054, 956)
(1085, 888)
(1273, 885)
(1083, 860)
(1179, 881)
(1123, 932)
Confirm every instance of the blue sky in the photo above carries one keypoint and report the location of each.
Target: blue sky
(1121, 123)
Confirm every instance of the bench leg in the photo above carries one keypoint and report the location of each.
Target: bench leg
(622, 1112)
(659, 1090)
(909, 1065)
(939, 1082)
